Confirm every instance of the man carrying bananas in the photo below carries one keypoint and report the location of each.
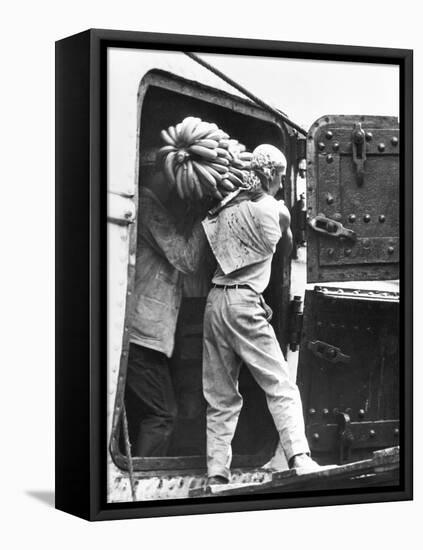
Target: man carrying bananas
(243, 238)
(165, 252)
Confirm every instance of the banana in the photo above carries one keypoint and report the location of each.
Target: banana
(184, 180)
(227, 185)
(166, 137)
(235, 180)
(222, 170)
(209, 143)
(217, 135)
(223, 153)
(245, 156)
(168, 167)
(205, 177)
(218, 167)
(166, 149)
(221, 161)
(217, 175)
(198, 189)
(190, 129)
(178, 181)
(172, 132)
(237, 163)
(237, 172)
(204, 152)
(178, 131)
(224, 144)
(189, 178)
(187, 126)
(202, 130)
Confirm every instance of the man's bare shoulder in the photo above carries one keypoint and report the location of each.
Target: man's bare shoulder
(284, 215)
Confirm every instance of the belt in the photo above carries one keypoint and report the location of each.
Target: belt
(232, 286)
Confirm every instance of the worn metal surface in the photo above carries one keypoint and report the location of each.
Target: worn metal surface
(353, 180)
(349, 363)
(382, 469)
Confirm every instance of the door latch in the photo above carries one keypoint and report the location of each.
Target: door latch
(345, 435)
(359, 151)
(327, 352)
(332, 228)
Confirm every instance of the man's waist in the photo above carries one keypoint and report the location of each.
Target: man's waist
(237, 286)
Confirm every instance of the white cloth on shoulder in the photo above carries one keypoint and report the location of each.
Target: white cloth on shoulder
(244, 233)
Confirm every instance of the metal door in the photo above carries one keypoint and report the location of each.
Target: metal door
(353, 198)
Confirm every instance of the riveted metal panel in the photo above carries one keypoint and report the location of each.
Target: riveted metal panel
(357, 186)
(349, 365)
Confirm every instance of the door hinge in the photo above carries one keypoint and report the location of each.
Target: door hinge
(295, 322)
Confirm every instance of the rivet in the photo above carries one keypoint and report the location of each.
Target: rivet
(394, 141)
(355, 327)
(369, 136)
(337, 216)
(382, 218)
(329, 199)
(381, 147)
(124, 353)
(330, 251)
(366, 218)
(325, 412)
(352, 218)
(396, 432)
(316, 437)
(128, 214)
(129, 293)
(369, 329)
(361, 413)
(132, 259)
(329, 159)
(319, 323)
(347, 252)
(366, 243)
(329, 134)
(332, 325)
(372, 433)
(312, 411)
(390, 249)
(335, 146)
(331, 353)
(321, 145)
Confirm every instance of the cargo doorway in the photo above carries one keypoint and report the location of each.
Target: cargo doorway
(164, 100)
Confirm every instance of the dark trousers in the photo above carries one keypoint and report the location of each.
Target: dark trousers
(150, 401)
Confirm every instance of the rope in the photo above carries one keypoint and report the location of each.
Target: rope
(128, 452)
(244, 91)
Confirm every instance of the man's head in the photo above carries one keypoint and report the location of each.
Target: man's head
(269, 163)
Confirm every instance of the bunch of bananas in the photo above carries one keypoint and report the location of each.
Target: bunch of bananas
(201, 160)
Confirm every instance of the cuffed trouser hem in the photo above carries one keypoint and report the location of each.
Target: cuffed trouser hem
(219, 471)
(294, 450)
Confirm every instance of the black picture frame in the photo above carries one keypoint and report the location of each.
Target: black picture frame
(81, 300)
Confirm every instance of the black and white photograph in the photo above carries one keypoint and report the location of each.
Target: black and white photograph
(253, 276)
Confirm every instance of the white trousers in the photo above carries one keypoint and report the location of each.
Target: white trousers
(236, 331)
